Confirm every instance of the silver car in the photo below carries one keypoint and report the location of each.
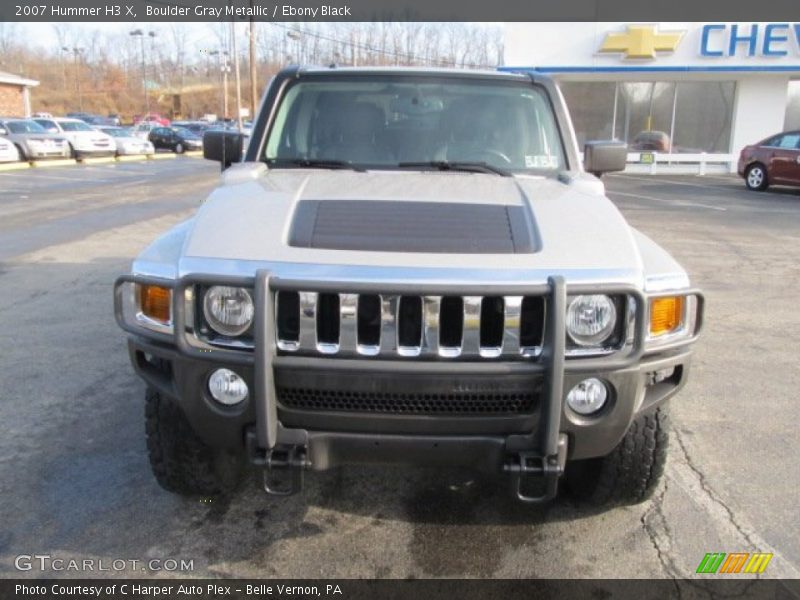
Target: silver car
(32, 141)
(127, 143)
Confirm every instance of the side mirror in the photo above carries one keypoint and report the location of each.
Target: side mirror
(3, 131)
(223, 146)
(604, 157)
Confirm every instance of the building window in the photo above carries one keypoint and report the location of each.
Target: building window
(660, 116)
(591, 106)
(793, 106)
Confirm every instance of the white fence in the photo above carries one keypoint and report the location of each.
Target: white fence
(702, 163)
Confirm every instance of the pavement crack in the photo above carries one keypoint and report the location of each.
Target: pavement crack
(650, 528)
(710, 493)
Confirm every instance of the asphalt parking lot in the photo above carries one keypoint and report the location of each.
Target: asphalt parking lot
(74, 476)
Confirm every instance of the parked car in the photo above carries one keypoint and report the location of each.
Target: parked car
(115, 119)
(143, 129)
(177, 139)
(98, 121)
(773, 161)
(651, 141)
(42, 115)
(84, 140)
(198, 127)
(33, 142)
(479, 302)
(8, 151)
(127, 143)
(151, 118)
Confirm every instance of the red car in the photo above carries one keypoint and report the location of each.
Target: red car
(773, 161)
(151, 118)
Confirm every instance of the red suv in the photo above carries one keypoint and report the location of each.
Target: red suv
(773, 161)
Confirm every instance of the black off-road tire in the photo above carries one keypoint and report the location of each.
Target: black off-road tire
(181, 462)
(630, 474)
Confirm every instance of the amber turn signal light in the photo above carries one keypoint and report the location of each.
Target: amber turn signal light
(154, 301)
(666, 314)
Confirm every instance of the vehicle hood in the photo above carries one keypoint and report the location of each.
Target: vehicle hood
(21, 137)
(473, 222)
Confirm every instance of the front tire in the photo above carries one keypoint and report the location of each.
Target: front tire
(755, 178)
(179, 148)
(630, 474)
(181, 462)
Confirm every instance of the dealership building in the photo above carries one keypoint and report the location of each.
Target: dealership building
(682, 92)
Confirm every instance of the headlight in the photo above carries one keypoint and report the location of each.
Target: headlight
(228, 310)
(591, 319)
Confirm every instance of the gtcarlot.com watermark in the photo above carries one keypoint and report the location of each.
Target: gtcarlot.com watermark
(47, 562)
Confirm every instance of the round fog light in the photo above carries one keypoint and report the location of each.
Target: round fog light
(588, 397)
(226, 387)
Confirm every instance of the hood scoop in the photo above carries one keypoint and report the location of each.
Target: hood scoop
(412, 226)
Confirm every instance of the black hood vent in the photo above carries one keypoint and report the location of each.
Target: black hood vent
(410, 226)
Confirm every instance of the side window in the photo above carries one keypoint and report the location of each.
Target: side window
(790, 140)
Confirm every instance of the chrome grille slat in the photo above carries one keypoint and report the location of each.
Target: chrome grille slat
(348, 323)
(388, 343)
(471, 339)
(430, 325)
(308, 321)
(513, 307)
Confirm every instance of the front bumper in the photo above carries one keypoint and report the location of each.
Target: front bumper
(548, 432)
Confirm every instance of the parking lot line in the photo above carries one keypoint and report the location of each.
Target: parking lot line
(668, 201)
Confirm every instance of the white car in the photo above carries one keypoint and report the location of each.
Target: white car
(8, 151)
(142, 130)
(127, 143)
(83, 139)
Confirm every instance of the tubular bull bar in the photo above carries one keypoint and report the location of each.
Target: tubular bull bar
(283, 451)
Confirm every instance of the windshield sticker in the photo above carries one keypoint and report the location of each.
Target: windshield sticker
(541, 161)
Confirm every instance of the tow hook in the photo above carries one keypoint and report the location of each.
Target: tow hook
(547, 470)
(283, 470)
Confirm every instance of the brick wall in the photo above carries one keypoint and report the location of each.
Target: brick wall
(11, 102)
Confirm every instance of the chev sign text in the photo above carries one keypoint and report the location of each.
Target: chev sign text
(756, 39)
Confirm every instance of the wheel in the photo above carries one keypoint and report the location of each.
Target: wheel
(630, 474)
(755, 177)
(181, 462)
(72, 152)
(20, 154)
(179, 148)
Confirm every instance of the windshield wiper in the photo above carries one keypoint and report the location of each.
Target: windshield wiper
(314, 163)
(446, 165)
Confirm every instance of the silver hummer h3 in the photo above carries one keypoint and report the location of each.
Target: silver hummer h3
(410, 266)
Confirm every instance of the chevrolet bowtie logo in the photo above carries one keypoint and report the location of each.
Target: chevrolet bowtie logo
(642, 41)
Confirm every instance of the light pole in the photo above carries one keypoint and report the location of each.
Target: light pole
(152, 35)
(140, 34)
(76, 52)
(296, 36)
(224, 67)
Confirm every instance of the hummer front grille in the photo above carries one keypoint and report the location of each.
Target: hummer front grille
(408, 326)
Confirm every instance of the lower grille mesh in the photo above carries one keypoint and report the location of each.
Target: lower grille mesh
(461, 403)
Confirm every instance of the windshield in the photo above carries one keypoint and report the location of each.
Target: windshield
(74, 126)
(187, 133)
(117, 132)
(396, 122)
(25, 127)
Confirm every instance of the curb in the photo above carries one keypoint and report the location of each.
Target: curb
(98, 160)
(161, 156)
(14, 166)
(132, 158)
(59, 162)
